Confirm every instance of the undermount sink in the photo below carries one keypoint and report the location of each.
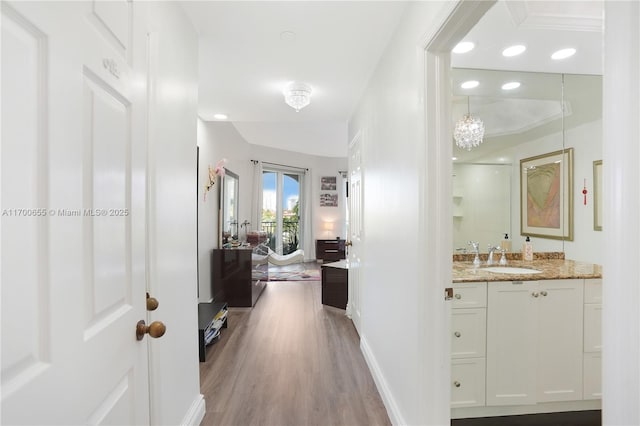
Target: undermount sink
(510, 270)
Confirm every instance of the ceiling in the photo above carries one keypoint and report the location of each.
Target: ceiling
(250, 50)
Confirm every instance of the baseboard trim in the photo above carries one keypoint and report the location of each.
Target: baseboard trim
(514, 410)
(387, 397)
(196, 412)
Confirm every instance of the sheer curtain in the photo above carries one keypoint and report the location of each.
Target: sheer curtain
(256, 200)
(305, 217)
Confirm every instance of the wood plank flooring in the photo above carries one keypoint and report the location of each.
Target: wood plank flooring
(289, 361)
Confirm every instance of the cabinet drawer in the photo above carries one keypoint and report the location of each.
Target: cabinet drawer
(469, 295)
(593, 327)
(468, 333)
(593, 290)
(592, 376)
(467, 382)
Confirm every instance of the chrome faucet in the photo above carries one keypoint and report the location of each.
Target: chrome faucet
(490, 257)
(476, 248)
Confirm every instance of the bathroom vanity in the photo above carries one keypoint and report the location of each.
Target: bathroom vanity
(526, 342)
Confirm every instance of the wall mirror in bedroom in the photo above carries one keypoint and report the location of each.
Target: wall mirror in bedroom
(228, 216)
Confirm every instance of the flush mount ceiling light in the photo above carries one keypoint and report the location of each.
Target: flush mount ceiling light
(511, 85)
(563, 54)
(514, 50)
(464, 47)
(297, 95)
(469, 131)
(470, 84)
(220, 116)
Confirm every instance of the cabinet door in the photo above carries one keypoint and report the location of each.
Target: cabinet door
(468, 333)
(467, 382)
(512, 329)
(560, 340)
(592, 327)
(593, 376)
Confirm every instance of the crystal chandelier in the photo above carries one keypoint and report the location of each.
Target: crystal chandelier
(297, 95)
(469, 131)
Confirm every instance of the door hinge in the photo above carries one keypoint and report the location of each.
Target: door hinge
(448, 293)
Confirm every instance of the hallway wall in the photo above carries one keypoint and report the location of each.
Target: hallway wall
(172, 278)
(391, 116)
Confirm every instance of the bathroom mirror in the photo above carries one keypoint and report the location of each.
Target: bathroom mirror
(547, 113)
(228, 216)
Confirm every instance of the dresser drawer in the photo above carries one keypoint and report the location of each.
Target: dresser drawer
(468, 333)
(468, 382)
(330, 250)
(469, 295)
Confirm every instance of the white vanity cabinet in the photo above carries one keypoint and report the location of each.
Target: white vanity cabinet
(534, 342)
(468, 344)
(592, 339)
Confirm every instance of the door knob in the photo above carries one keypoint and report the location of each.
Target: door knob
(152, 303)
(155, 329)
(348, 243)
(456, 384)
(457, 334)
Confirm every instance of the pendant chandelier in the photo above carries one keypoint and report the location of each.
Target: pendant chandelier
(297, 95)
(469, 131)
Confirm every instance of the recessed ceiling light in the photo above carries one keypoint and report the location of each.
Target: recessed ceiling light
(220, 116)
(511, 85)
(470, 84)
(288, 36)
(514, 50)
(563, 53)
(464, 47)
(454, 158)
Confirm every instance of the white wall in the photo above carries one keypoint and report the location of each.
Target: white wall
(172, 279)
(481, 204)
(219, 140)
(586, 141)
(391, 116)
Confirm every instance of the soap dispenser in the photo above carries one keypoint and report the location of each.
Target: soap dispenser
(527, 249)
(506, 243)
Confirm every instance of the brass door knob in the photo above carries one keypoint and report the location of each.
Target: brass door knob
(152, 303)
(348, 243)
(155, 329)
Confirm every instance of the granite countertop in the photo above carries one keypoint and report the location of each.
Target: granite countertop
(552, 269)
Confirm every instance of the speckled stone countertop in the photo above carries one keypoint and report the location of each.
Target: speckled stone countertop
(552, 269)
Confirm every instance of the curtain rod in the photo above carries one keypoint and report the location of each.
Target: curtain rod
(281, 165)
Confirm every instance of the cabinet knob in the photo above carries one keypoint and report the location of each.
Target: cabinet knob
(458, 296)
(535, 294)
(544, 293)
(457, 334)
(456, 384)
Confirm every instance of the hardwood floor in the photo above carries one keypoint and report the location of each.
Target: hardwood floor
(289, 361)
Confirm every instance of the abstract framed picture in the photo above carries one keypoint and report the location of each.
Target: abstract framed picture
(597, 195)
(546, 195)
(328, 183)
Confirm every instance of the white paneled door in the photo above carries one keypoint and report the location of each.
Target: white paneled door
(73, 213)
(355, 231)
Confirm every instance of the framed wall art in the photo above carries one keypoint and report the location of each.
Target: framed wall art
(546, 195)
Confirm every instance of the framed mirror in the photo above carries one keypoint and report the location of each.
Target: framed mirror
(228, 214)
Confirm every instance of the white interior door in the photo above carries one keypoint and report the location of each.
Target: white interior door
(355, 232)
(73, 213)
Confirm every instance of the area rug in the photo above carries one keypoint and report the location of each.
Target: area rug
(296, 272)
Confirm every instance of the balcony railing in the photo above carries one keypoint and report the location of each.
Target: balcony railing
(290, 235)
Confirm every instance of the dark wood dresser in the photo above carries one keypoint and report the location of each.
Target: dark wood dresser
(233, 278)
(335, 284)
(330, 250)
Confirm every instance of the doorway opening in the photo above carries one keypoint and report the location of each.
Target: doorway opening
(281, 194)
